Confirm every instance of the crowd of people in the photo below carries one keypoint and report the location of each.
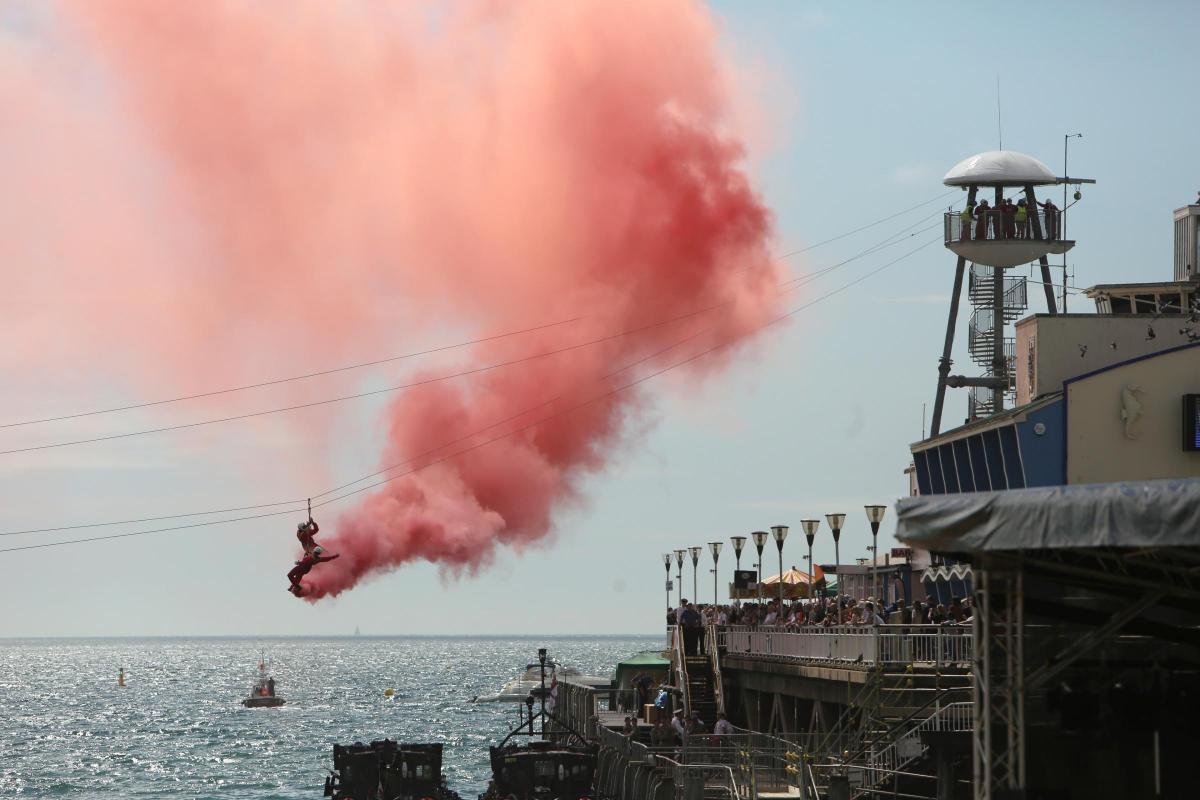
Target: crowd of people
(820, 612)
(1008, 220)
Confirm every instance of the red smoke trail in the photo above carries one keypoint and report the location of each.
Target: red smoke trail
(381, 166)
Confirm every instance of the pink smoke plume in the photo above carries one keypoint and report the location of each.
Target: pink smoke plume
(385, 167)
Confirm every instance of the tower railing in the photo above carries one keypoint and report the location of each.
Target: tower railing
(993, 225)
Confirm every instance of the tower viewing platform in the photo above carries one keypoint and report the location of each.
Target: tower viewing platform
(1002, 232)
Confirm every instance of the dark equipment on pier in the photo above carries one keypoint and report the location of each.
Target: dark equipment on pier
(541, 770)
(387, 769)
(1087, 631)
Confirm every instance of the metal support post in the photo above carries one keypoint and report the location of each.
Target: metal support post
(1036, 222)
(999, 362)
(945, 361)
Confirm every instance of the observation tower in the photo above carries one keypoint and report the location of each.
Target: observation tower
(1001, 225)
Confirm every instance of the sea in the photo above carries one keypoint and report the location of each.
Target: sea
(178, 730)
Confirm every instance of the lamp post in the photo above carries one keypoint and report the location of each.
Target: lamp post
(695, 551)
(738, 543)
(1062, 215)
(679, 575)
(760, 538)
(810, 527)
(835, 524)
(875, 516)
(715, 549)
(667, 566)
(780, 533)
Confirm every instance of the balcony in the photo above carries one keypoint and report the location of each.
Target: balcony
(891, 645)
(997, 240)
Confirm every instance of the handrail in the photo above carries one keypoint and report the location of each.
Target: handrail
(714, 657)
(677, 768)
(681, 664)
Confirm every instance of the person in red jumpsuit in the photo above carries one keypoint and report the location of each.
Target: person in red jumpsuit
(305, 532)
(304, 566)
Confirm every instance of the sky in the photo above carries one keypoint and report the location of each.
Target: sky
(853, 111)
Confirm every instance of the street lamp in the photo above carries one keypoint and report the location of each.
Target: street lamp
(679, 575)
(760, 538)
(667, 566)
(738, 543)
(875, 516)
(715, 549)
(835, 524)
(695, 551)
(810, 527)
(780, 533)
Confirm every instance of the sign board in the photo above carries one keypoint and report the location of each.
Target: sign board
(901, 552)
(744, 578)
(670, 585)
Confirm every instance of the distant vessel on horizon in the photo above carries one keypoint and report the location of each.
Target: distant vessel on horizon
(357, 632)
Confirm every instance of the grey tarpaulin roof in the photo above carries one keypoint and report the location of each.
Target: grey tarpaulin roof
(1162, 513)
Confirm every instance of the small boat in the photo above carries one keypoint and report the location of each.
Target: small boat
(262, 694)
(517, 689)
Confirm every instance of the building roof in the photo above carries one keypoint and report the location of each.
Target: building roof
(1145, 287)
(999, 168)
(984, 423)
(1143, 514)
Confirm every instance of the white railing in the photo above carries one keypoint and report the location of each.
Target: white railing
(939, 645)
(907, 746)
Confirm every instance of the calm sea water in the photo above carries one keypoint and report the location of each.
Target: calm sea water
(178, 729)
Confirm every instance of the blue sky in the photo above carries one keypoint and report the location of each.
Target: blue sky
(867, 105)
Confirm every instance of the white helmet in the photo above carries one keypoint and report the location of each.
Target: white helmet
(303, 526)
(318, 550)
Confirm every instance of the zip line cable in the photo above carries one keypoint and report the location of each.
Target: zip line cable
(277, 381)
(799, 282)
(391, 359)
(424, 381)
(531, 425)
(871, 225)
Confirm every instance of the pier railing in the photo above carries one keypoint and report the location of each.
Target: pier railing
(937, 645)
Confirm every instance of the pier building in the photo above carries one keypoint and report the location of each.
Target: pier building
(1059, 522)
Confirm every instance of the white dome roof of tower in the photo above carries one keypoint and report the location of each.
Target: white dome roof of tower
(999, 168)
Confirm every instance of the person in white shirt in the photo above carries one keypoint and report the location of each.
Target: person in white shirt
(678, 726)
(723, 727)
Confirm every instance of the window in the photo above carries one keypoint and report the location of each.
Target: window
(1121, 305)
(1145, 304)
(1191, 422)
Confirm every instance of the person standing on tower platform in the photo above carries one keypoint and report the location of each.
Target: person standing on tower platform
(983, 213)
(1051, 212)
(1022, 220)
(965, 220)
(1009, 212)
